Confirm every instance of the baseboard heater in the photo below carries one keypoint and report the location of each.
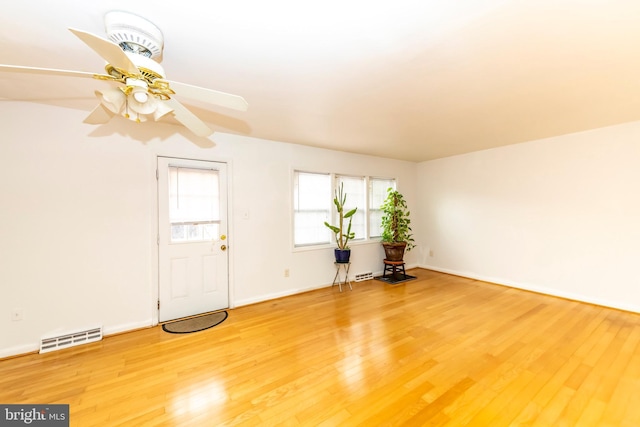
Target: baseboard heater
(70, 340)
(364, 276)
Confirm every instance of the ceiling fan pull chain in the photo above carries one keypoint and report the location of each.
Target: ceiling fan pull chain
(126, 107)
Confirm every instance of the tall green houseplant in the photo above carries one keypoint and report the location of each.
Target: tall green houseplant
(396, 226)
(342, 235)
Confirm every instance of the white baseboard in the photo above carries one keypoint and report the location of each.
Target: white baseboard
(19, 350)
(268, 297)
(537, 289)
(126, 327)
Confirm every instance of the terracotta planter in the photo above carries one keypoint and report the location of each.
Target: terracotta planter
(394, 251)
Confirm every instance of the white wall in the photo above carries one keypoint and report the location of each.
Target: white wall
(262, 186)
(559, 216)
(78, 220)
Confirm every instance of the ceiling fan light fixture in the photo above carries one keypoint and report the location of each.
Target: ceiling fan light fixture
(148, 105)
(126, 105)
(113, 99)
(140, 96)
(143, 92)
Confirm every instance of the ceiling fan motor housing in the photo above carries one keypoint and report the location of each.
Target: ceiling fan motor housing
(134, 34)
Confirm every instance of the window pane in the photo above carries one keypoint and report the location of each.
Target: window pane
(194, 232)
(194, 209)
(354, 188)
(313, 204)
(312, 207)
(377, 193)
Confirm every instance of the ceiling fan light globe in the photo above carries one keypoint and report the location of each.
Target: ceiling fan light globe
(140, 97)
(148, 106)
(112, 99)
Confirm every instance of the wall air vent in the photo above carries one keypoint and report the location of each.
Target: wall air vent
(70, 340)
(364, 276)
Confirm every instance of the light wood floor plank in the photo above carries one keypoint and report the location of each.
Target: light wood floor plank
(439, 350)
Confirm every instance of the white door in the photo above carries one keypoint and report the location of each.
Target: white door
(192, 237)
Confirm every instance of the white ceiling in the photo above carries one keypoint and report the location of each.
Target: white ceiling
(405, 79)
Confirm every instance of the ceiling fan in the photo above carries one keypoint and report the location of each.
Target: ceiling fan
(132, 52)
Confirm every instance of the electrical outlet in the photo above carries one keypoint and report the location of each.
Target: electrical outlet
(431, 252)
(286, 272)
(16, 314)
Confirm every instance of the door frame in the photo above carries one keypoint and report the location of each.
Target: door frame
(154, 228)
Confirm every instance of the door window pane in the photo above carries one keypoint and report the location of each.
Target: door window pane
(194, 209)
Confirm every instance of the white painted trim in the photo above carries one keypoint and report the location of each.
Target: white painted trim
(106, 332)
(273, 296)
(291, 292)
(19, 350)
(127, 327)
(155, 266)
(536, 288)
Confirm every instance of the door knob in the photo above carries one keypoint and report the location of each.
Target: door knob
(223, 247)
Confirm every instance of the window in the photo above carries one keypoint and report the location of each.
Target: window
(194, 211)
(377, 193)
(312, 207)
(354, 188)
(313, 195)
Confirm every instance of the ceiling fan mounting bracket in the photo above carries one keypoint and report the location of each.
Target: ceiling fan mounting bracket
(134, 34)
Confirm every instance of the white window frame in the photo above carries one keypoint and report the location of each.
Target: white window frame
(361, 205)
(377, 234)
(366, 209)
(322, 213)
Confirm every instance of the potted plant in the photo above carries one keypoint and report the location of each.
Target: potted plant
(396, 229)
(342, 252)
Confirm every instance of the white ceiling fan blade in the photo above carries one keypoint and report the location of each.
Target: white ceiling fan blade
(209, 96)
(188, 119)
(50, 71)
(162, 110)
(99, 115)
(107, 49)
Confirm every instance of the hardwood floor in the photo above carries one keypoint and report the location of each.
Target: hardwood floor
(440, 350)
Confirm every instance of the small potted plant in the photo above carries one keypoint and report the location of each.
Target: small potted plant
(342, 252)
(396, 229)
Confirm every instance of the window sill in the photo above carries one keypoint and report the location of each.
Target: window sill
(333, 246)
